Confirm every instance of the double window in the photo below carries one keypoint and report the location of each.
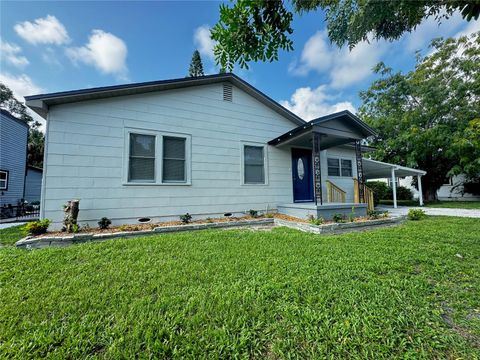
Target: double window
(339, 167)
(254, 159)
(3, 179)
(157, 158)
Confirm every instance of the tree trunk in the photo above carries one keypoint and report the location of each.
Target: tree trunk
(71, 209)
(430, 194)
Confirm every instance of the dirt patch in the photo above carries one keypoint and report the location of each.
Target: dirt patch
(447, 317)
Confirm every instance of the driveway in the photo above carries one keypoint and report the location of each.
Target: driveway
(403, 210)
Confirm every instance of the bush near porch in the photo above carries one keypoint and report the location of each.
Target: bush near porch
(410, 291)
(381, 191)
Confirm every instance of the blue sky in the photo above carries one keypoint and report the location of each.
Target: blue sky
(54, 46)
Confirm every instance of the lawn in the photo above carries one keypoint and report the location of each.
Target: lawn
(455, 204)
(398, 292)
(11, 235)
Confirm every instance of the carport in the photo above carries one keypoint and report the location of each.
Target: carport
(373, 169)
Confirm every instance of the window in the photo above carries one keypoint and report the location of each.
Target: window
(333, 167)
(3, 180)
(347, 168)
(156, 158)
(173, 159)
(142, 158)
(254, 164)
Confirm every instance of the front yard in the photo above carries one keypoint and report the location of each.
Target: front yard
(454, 204)
(411, 291)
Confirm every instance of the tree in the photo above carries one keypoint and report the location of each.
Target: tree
(422, 117)
(196, 66)
(35, 137)
(257, 30)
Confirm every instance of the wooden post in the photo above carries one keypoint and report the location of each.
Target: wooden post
(360, 177)
(70, 210)
(317, 172)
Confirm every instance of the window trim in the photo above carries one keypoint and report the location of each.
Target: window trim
(242, 163)
(158, 158)
(7, 174)
(340, 158)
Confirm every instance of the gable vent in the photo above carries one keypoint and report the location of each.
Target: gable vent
(227, 92)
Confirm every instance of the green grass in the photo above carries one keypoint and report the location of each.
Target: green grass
(398, 292)
(455, 204)
(11, 235)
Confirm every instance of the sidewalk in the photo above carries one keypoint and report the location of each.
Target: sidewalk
(403, 210)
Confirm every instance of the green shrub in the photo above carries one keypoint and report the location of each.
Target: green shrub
(373, 214)
(403, 193)
(104, 223)
(338, 218)
(253, 213)
(37, 227)
(315, 221)
(380, 190)
(416, 214)
(269, 215)
(186, 218)
(75, 228)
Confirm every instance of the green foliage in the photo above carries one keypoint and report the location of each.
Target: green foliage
(36, 145)
(339, 218)
(104, 223)
(374, 214)
(421, 115)
(275, 294)
(257, 30)
(11, 235)
(352, 215)
(454, 204)
(269, 215)
(253, 213)
(185, 218)
(75, 228)
(380, 190)
(467, 147)
(37, 227)
(196, 66)
(416, 214)
(314, 220)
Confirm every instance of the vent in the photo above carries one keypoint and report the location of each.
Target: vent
(227, 92)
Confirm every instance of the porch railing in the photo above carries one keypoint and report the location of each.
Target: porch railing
(367, 192)
(334, 193)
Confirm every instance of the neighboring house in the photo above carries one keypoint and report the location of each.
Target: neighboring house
(207, 146)
(13, 159)
(33, 184)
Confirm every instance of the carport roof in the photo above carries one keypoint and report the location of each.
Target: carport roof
(374, 169)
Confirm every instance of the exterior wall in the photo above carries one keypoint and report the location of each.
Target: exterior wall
(344, 183)
(33, 184)
(13, 157)
(85, 156)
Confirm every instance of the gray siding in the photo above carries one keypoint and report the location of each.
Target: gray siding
(33, 185)
(13, 157)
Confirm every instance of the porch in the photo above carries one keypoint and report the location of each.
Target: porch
(325, 211)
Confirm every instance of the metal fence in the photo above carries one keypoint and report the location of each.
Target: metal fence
(20, 212)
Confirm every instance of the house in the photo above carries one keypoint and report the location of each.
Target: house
(33, 184)
(13, 159)
(209, 146)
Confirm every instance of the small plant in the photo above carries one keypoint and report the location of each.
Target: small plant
(104, 223)
(373, 214)
(126, 227)
(385, 214)
(186, 218)
(315, 221)
(416, 214)
(338, 218)
(209, 220)
(37, 227)
(352, 214)
(253, 213)
(269, 215)
(75, 228)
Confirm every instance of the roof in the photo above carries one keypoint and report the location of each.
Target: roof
(40, 103)
(343, 115)
(14, 118)
(374, 169)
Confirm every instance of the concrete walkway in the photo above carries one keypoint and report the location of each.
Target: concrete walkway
(403, 210)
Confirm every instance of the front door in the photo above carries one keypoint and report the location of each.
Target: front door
(302, 175)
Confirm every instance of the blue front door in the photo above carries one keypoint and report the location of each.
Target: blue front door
(302, 175)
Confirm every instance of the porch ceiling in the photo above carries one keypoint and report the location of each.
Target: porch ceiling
(373, 169)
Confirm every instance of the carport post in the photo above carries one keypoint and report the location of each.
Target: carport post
(420, 193)
(394, 189)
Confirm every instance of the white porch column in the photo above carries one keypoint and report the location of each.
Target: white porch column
(420, 194)
(394, 189)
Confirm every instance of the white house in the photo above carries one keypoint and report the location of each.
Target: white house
(207, 146)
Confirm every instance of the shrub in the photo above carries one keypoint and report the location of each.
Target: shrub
(104, 223)
(315, 221)
(373, 214)
(338, 218)
(253, 213)
(37, 227)
(416, 214)
(380, 190)
(403, 193)
(269, 215)
(186, 218)
(75, 228)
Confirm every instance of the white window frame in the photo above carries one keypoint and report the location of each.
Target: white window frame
(158, 158)
(242, 163)
(5, 188)
(339, 158)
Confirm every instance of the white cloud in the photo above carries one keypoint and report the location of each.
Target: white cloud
(472, 27)
(203, 41)
(47, 30)
(311, 103)
(104, 51)
(342, 66)
(11, 54)
(21, 86)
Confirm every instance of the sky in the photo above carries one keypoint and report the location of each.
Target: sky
(58, 46)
